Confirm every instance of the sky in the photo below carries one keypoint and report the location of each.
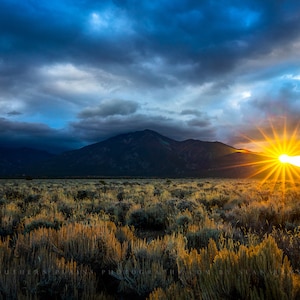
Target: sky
(76, 72)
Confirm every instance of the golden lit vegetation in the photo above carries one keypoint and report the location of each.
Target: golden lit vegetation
(155, 239)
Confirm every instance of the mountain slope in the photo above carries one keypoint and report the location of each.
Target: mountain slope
(142, 153)
(17, 161)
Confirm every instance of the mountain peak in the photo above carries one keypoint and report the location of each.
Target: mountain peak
(143, 153)
(140, 153)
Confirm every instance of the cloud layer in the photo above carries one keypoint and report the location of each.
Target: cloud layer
(77, 72)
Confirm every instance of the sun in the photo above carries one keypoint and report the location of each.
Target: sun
(284, 158)
(280, 153)
(293, 160)
(277, 159)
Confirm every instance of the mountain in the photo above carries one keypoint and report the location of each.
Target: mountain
(147, 154)
(16, 161)
(137, 154)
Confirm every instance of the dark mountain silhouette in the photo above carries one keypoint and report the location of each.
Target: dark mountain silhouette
(17, 161)
(137, 154)
(147, 154)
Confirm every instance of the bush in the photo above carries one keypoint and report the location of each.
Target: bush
(153, 218)
(85, 194)
(255, 272)
(186, 205)
(200, 239)
(149, 265)
(121, 212)
(40, 224)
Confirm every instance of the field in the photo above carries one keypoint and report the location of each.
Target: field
(149, 239)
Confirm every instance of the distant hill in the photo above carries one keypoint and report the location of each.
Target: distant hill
(147, 154)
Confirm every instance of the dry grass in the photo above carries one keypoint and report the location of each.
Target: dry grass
(155, 239)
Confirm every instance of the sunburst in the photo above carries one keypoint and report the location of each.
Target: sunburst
(280, 151)
(277, 156)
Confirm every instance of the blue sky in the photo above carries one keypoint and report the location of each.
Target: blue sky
(77, 72)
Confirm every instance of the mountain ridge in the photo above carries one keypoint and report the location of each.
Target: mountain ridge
(143, 153)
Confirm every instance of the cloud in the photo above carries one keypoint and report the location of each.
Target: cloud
(35, 135)
(14, 113)
(110, 108)
(198, 123)
(97, 129)
(193, 112)
(192, 41)
(199, 69)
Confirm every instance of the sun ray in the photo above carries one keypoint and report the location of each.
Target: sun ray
(284, 136)
(277, 161)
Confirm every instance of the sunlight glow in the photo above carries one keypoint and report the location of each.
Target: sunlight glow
(246, 94)
(280, 155)
(284, 158)
(293, 160)
(278, 159)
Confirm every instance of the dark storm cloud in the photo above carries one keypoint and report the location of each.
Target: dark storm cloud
(193, 112)
(212, 36)
(35, 135)
(96, 129)
(7, 126)
(198, 123)
(14, 113)
(195, 39)
(110, 108)
(58, 58)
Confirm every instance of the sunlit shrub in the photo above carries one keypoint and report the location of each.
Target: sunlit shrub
(174, 292)
(96, 246)
(255, 272)
(150, 265)
(289, 242)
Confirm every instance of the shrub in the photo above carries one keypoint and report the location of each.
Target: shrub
(120, 196)
(256, 272)
(186, 205)
(220, 201)
(174, 292)
(153, 218)
(200, 239)
(85, 194)
(149, 265)
(183, 221)
(42, 223)
(138, 218)
(142, 277)
(181, 193)
(34, 198)
(66, 209)
(95, 246)
(121, 211)
(289, 242)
